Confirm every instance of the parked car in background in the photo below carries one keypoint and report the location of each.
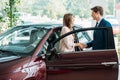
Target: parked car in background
(31, 52)
(114, 22)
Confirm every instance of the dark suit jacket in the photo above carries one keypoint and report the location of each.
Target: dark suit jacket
(99, 37)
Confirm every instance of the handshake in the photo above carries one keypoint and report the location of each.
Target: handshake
(81, 45)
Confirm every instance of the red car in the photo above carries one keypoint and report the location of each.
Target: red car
(31, 52)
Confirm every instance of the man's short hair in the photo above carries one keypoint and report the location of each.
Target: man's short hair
(98, 9)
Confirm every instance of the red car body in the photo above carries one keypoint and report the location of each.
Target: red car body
(31, 52)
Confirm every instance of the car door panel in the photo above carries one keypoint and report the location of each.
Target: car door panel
(85, 65)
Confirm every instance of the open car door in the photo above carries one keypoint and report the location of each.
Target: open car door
(86, 64)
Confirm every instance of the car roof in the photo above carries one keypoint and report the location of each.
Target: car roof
(47, 26)
(40, 26)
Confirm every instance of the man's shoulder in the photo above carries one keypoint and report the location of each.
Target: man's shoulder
(104, 20)
(106, 23)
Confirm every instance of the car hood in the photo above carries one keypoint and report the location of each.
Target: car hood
(12, 64)
(8, 58)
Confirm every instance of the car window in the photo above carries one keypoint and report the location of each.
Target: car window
(43, 50)
(86, 36)
(52, 37)
(46, 48)
(22, 40)
(82, 37)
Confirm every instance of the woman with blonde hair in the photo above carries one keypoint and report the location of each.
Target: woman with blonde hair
(67, 43)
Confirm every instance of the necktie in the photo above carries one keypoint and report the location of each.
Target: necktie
(96, 24)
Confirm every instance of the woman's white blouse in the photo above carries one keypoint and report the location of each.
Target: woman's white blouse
(67, 43)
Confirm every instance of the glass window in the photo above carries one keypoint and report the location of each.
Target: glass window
(22, 40)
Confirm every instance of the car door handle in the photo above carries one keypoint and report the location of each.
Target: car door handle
(108, 63)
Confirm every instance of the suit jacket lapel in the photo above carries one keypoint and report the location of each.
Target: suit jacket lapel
(101, 23)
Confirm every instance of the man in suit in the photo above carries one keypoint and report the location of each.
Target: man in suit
(99, 36)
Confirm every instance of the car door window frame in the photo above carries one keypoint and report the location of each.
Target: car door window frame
(110, 37)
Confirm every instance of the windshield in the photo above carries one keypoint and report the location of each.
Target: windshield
(21, 40)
